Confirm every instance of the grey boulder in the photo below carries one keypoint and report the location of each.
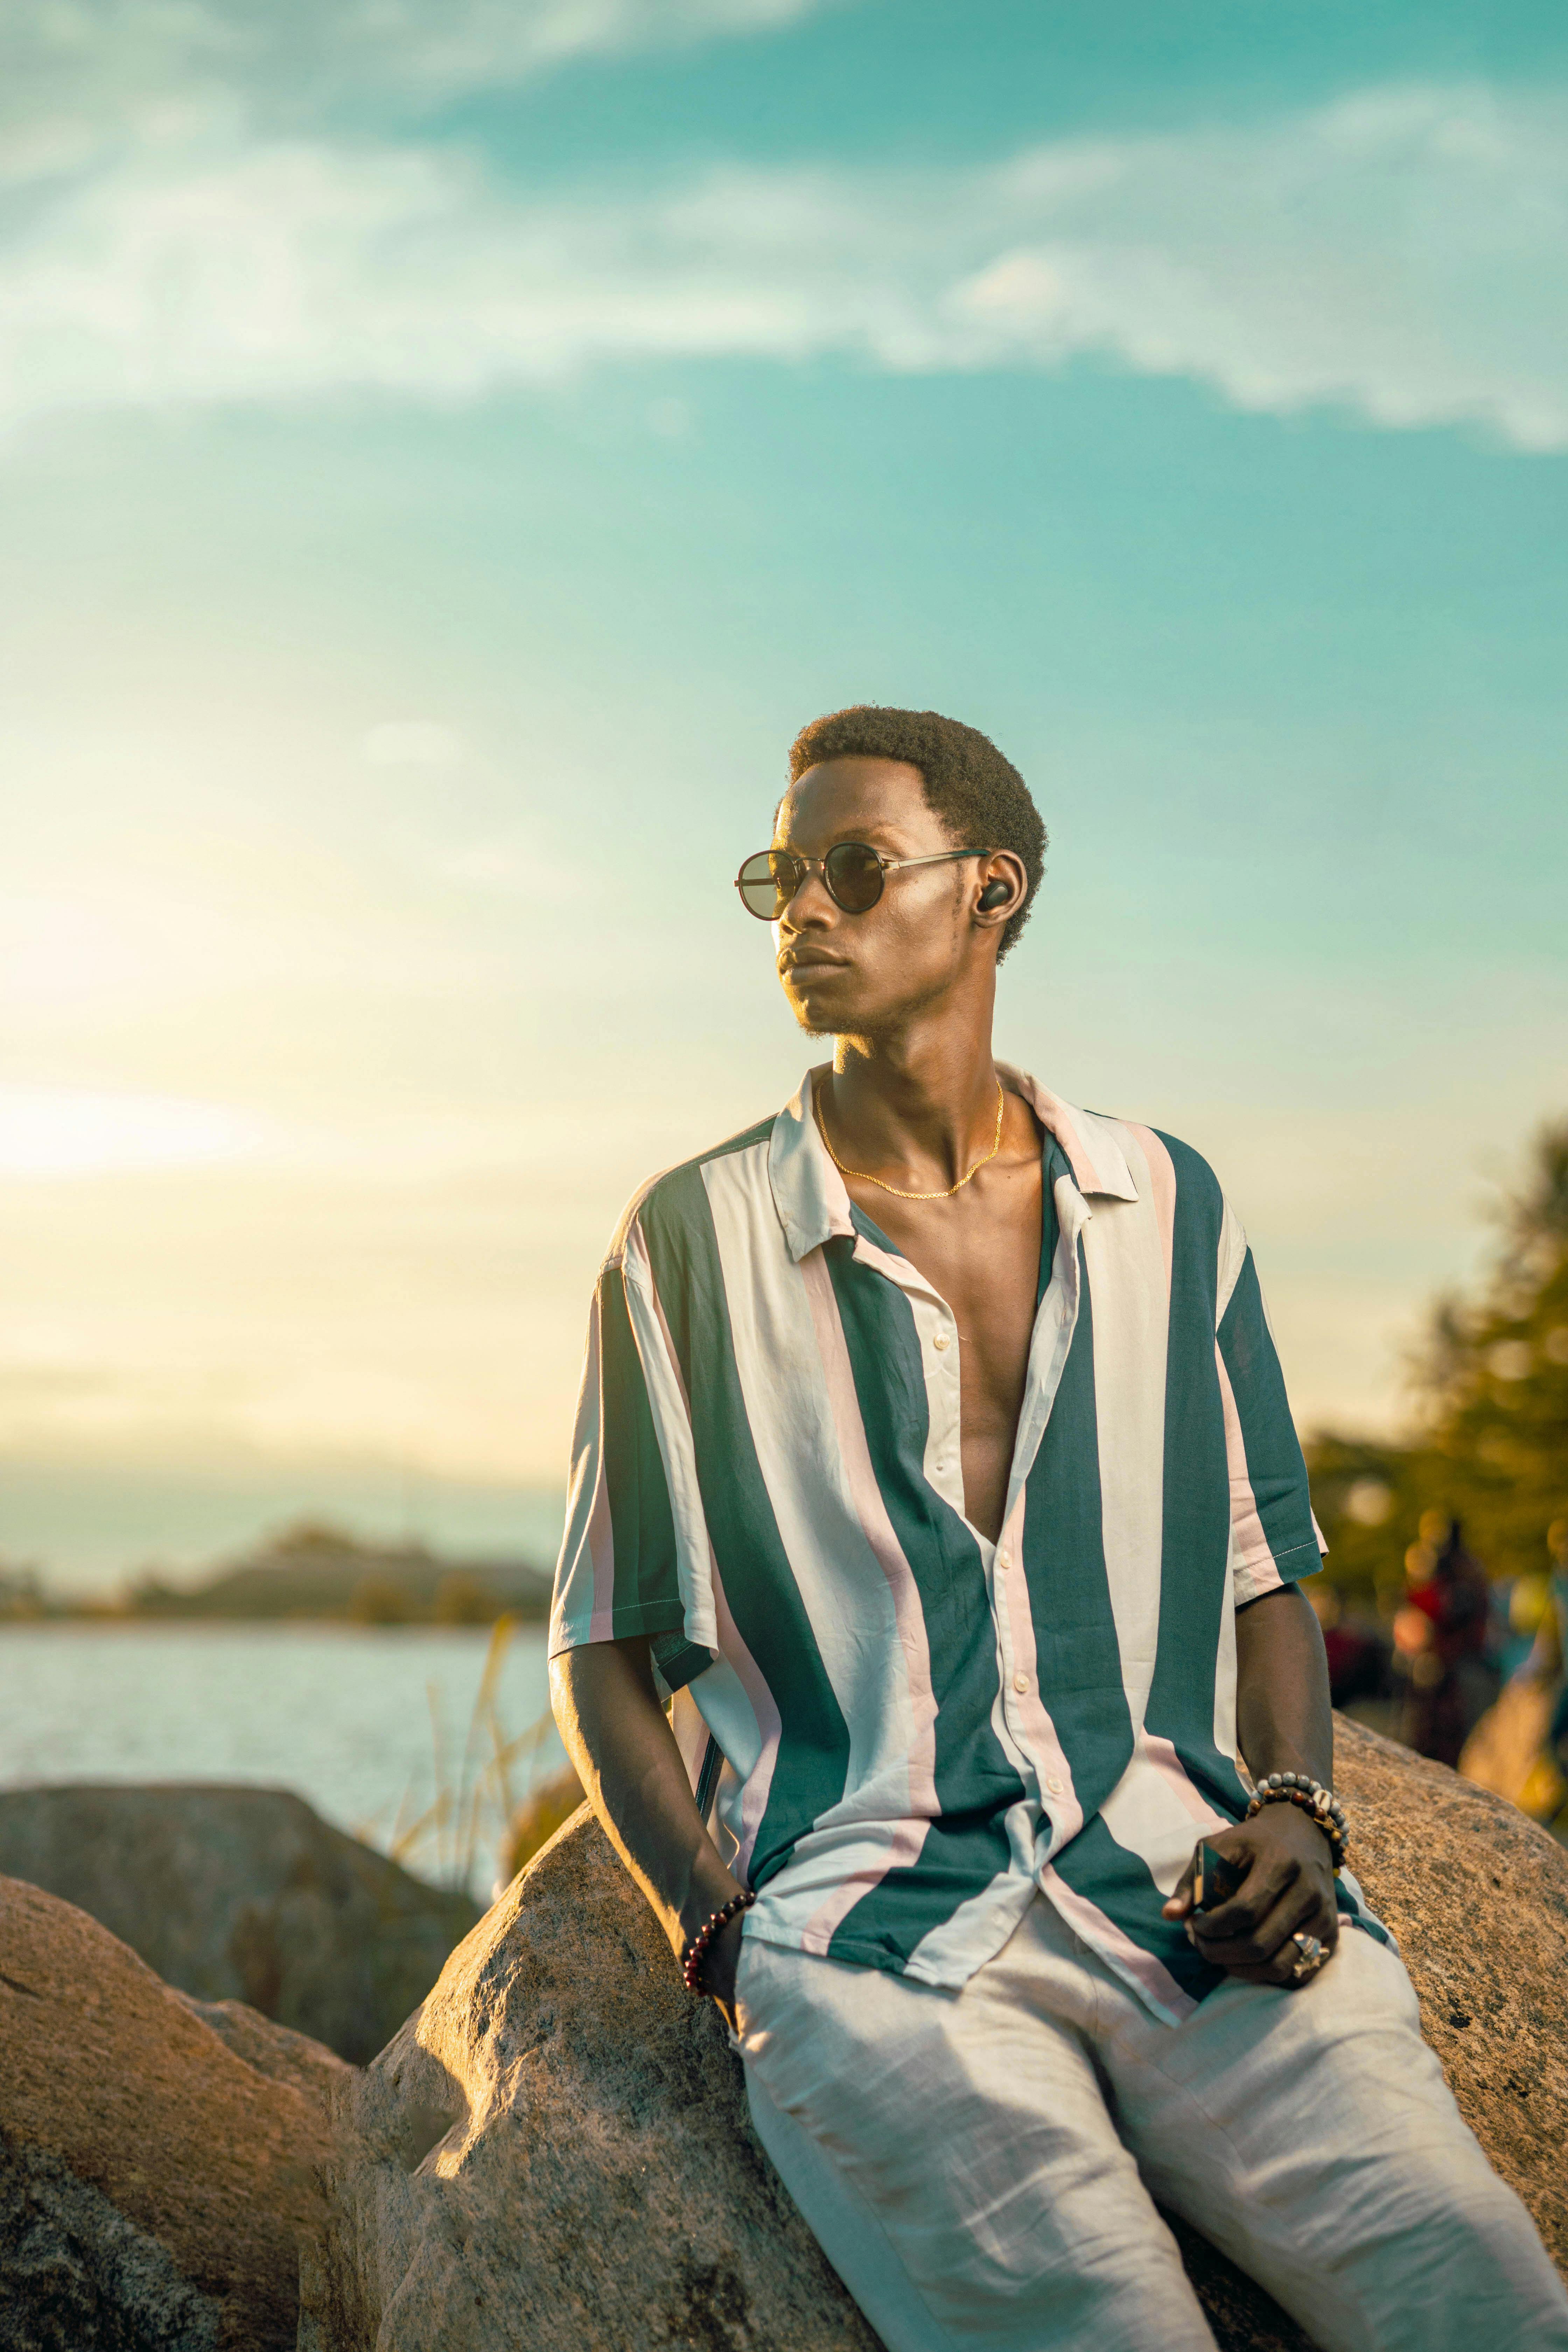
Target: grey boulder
(243, 1894)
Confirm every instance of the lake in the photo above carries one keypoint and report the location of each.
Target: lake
(368, 1725)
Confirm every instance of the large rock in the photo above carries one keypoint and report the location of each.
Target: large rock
(158, 2164)
(1478, 1896)
(554, 2153)
(242, 1893)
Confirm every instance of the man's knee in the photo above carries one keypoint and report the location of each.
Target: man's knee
(1464, 2246)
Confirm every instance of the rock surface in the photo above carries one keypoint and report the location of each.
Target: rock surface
(155, 2175)
(555, 2152)
(239, 1894)
(1478, 1897)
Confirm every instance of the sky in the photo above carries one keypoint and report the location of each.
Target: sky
(448, 450)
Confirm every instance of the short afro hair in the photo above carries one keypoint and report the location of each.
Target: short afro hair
(979, 795)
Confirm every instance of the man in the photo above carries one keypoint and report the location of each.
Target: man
(933, 1451)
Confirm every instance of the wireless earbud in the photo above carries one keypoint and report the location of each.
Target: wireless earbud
(995, 895)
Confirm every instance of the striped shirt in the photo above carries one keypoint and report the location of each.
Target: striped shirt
(917, 1728)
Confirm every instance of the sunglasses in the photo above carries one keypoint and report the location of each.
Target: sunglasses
(852, 875)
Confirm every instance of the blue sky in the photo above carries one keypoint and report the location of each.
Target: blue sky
(445, 452)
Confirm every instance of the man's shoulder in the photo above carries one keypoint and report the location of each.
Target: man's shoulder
(1165, 1156)
(668, 1196)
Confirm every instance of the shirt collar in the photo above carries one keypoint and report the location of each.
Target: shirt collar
(813, 1201)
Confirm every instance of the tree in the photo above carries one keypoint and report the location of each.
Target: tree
(1495, 1377)
(381, 1601)
(464, 1599)
(1488, 1443)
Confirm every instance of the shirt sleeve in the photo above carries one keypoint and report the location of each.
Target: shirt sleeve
(1275, 1540)
(618, 1572)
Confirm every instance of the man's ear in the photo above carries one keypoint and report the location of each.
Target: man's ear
(1007, 888)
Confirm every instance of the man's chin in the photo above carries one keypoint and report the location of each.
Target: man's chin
(836, 1011)
(815, 1009)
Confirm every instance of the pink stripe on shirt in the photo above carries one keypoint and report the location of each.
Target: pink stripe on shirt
(1069, 1135)
(770, 1727)
(902, 1850)
(1254, 1560)
(1129, 1959)
(599, 1533)
(1160, 1753)
(1034, 1725)
(1162, 1182)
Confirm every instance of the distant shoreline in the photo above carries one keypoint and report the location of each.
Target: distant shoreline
(311, 1573)
(124, 1621)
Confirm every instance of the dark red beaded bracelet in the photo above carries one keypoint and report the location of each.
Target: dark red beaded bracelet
(696, 1946)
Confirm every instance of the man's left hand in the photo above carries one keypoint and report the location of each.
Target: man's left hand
(1288, 1891)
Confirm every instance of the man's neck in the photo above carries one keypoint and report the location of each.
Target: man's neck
(919, 1099)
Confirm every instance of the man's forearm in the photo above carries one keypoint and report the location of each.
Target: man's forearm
(635, 1778)
(1283, 1716)
(1284, 1918)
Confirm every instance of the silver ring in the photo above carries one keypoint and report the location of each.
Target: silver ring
(1311, 1960)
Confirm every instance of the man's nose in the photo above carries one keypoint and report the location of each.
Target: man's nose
(812, 904)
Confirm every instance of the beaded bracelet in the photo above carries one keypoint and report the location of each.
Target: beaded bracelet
(696, 1946)
(1300, 1788)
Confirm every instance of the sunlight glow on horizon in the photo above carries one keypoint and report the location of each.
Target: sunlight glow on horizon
(62, 1131)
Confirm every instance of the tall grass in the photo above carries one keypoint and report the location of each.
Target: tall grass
(477, 1795)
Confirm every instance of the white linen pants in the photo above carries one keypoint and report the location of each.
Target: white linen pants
(980, 2167)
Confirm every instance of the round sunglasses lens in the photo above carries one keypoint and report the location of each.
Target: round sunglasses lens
(854, 875)
(765, 889)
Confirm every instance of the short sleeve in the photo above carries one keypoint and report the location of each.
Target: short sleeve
(617, 1573)
(1274, 1537)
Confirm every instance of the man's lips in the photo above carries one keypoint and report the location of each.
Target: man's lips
(805, 960)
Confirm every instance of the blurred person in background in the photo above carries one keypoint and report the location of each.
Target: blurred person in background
(1356, 1648)
(1552, 1641)
(1519, 1747)
(1441, 1641)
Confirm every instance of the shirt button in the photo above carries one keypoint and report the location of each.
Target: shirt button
(940, 1342)
(1020, 1682)
(1004, 1558)
(1054, 1785)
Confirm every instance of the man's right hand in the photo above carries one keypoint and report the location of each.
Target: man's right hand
(719, 1963)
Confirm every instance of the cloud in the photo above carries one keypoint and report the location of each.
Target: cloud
(1397, 254)
(76, 71)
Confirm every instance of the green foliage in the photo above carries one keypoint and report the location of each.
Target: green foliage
(1490, 1443)
(1368, 1498)
(380, 1601)
(464, 1599)
(21, 1591)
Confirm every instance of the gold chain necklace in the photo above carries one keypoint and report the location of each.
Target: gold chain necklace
(865, 1177)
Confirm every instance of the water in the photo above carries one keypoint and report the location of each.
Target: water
(342, 1715)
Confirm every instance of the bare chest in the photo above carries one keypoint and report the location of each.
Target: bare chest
(981, 1251)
